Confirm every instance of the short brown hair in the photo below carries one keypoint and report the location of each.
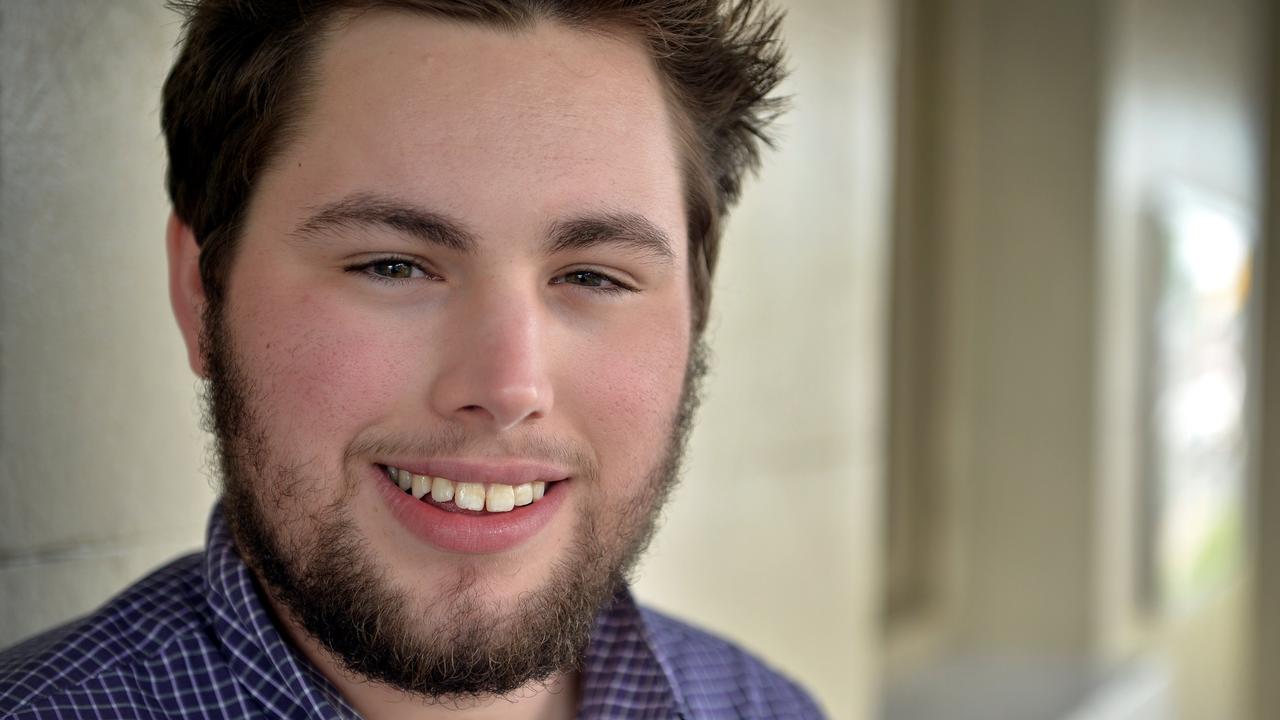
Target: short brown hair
(233, 97)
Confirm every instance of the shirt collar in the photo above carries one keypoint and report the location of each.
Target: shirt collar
(262, 660)
(622, 675)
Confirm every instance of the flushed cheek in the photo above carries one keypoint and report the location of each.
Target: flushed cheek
(324, 371)
(630, 398)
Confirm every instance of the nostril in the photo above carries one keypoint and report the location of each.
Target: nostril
(477, 410)
(500, 405)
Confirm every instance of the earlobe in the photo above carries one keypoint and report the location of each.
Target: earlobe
(186, 290)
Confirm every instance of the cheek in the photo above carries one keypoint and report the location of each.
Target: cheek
(631, 398)
(323, 368)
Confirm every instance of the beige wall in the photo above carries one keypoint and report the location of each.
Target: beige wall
(994, 343)
(786, 463)
(995, 298)
(100, 453)
(773, 537)
(1038, 133)
(1185, 106)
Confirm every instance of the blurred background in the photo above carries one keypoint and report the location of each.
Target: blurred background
(989, 432)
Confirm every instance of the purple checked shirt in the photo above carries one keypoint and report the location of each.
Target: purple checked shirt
(193, 640)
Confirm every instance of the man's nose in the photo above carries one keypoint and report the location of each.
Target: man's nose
(494, 373)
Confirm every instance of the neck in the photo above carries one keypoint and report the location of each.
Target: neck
(556, 699)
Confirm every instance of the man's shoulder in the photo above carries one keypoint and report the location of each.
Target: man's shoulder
(106, 656)
(717, 678)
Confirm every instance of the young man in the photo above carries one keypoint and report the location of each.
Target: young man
(445, 266)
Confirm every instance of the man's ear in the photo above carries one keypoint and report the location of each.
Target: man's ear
(186, 290)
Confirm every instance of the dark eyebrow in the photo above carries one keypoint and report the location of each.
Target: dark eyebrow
(365, 210)
(629, 230)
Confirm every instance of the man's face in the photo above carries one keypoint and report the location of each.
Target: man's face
(468, 261)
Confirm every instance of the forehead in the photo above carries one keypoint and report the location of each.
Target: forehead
(492, 124)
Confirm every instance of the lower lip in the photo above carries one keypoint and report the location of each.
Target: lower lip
(466, 533)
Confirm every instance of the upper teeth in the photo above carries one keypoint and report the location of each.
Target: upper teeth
(493, 497)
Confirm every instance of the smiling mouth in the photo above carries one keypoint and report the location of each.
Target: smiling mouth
(466, 497)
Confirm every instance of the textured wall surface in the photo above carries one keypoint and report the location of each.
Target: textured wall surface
(1044, 131)
(772, 538)
(101, 459)
(1186, 108)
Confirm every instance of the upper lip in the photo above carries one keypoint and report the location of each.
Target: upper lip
(488, 470)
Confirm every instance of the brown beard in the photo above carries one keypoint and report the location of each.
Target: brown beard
(333, 585)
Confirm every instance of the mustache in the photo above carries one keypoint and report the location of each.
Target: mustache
(454, 441)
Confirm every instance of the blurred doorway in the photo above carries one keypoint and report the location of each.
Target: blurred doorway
(1074, 404)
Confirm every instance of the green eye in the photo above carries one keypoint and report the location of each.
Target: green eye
(393, 269)
(586, 278)
(390, 270)
(593, 281)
